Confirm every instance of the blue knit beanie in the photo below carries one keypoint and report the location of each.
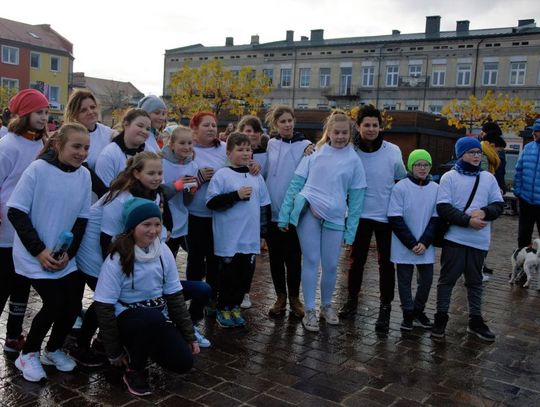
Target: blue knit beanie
(137, 210)
(151, 103)
(465, 144)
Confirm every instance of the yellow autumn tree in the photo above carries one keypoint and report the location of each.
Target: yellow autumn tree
(510, 112)
(5, 95)
(215, 88)
(386, 117)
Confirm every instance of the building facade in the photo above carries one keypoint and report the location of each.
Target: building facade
(421, 71)
(36, 56)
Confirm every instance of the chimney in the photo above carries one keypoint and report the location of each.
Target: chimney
(528, 21)
(229, 41)
(433, 25)
(254, 40)
(290, 36)
(304, 38)
(395, 33)
(462, 26)
(317, 35)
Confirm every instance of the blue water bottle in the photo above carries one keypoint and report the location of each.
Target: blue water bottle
(62, 245)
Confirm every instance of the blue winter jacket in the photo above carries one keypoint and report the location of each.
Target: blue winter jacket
(527, 178)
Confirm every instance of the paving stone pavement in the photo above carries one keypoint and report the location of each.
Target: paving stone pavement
(274, 362)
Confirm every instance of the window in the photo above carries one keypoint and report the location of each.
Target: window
(489, 77)
(324, 77)
(54, 94)
(269, 73)
(10, 55)
(435, 109)
(305, 77)
(345, 81)
(438, 74)
(235, 73)
(55, 64)
(368, 76)
(412, 108)
(10, 83)
(285, 77)
(392, 75)
(415, 71)
(35, 60)
(463, 75)
(517, 73)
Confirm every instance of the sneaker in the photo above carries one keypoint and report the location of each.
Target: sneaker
(350, 308)
(237, 317)
(14, 345)
(224, 318)
(329, 315)
(59, 359)
(439, 325)
(296, 306)
(86, 357)
(30, 366)
(201, 340)
(421, 320)
(478, 327)
(487, 270)
(310, 321)
(383, 321)
(136, 383)
(246, 302)
(407, 323)
(485, 277)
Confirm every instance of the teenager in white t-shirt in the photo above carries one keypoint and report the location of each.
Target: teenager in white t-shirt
(17, 150)
(157, 110)
(235, 197)
(131, 140)
(51, 198)
(412, 213)
(383, 165)
(324, 201)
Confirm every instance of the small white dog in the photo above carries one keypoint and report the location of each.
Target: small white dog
(526, 261)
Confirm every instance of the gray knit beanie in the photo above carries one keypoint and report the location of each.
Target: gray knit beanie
(151, 103)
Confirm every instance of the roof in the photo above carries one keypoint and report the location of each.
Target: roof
(104, 87)
(37, 36)
(366, 40)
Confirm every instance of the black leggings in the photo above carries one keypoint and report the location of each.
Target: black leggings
(61, 302)
(16, 288)
(234, 271)
(176, 243)
(147, 333)
(90, 323)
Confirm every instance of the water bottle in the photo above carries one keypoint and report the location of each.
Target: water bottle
(62, 245)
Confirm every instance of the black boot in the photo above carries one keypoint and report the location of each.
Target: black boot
(420, 319)
(349, 309)
(407, 324)
(439, 326)
(383, 322)
(478, 327)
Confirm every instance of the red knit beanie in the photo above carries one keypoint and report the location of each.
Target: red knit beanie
(27, 101)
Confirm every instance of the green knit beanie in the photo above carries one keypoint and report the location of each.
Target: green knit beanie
(417, 155)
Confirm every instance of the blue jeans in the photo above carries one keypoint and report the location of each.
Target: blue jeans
(424, 279)
(199, 293)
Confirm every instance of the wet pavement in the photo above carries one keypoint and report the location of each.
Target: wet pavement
(274, 362)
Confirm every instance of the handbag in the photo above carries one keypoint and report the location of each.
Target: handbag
(443, 225)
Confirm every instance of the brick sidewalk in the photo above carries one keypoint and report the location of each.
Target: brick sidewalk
(276, 363)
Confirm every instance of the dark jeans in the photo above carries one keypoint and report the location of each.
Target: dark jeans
(359, 253)
(249, 277)
(201, 261)
(147, 333)
(16, 288)
(456, 260)
(234, 272)
(90, 323)
(424, 279)
(177, 242)
(284, 251)
(199, 293)
(61, 302)
(529, 215)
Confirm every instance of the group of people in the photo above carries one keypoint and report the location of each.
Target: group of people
(129, 200)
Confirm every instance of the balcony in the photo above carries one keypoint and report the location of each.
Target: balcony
(413, 81)
(334, 93)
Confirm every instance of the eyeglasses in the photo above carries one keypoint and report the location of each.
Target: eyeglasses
(422, 165)
(475, 153)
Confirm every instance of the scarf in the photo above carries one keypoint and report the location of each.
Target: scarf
(492, 156)
(154, 251)
(467, 169)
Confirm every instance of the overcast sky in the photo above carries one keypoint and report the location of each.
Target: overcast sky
(126, 40)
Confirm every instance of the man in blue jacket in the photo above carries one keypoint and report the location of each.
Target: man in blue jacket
(527, 187)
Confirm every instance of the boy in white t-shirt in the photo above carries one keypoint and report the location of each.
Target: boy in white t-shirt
(236, 198)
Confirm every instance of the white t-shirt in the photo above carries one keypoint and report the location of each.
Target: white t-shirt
(16, 154)
(53, 199)
(383, 167)
(171, 172)
(111, 162)
(3, 131)
(152, 144)
(416, 204)
(455, 189)
(330, 173)
(237, 229)
(99, 139)
(262, 159)
(149, 280)
(89, 256)
(283, 158)
(212, 157)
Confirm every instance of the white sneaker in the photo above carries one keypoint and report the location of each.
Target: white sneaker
(59, 359)
(246, 302)
(329, 315)
(310, 321)
(30, 366)
(485, 277)
(201, 340)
